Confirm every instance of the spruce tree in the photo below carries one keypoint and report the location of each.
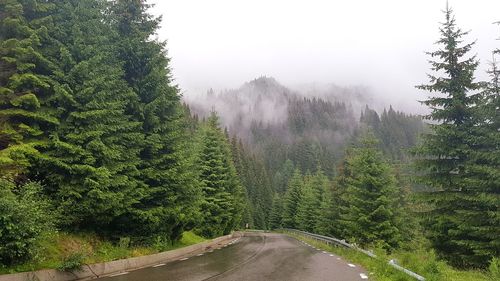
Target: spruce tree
(462, 221)
(291, 200)
(90, 162)
(306, 208)
(223, 197)
(276, 216)
(171, 193)
(309, 209)
(322, 198)
(27, 92)
(369, 210)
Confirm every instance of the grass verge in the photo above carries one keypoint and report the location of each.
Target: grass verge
(66, 251)
(422, 262)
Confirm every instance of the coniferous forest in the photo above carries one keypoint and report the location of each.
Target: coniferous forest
(95, 137)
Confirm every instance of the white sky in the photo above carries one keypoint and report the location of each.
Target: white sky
(379, 44)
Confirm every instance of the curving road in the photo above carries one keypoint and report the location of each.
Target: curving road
(255, 256)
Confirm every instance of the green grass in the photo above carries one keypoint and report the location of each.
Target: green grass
(422, 262)
(59, 250)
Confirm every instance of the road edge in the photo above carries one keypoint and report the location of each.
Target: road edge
(92, 271)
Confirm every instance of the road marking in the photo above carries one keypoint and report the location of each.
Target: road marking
(363, 276)
(118, 274)
(332, 255)
(351, 265)
(183, 259)
(324, 252)
(199, 255)
(338, 258)
(160, 264)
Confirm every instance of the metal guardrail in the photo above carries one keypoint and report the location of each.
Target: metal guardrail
(331, 240)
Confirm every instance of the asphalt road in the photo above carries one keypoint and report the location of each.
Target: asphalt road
(252, 257)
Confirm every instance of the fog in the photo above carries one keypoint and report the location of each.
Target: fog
(376, 45)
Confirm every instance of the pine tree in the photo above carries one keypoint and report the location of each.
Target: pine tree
(171, 192)
(451, 162)
(223, 198)
(306, 209)
(90, 162)
(291, 200)
(27, 91)
(276, 216)
(322, 197)
(369, 210)
(309, 209)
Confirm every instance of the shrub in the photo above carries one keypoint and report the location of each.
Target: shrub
(494, 268)
(72, 262)
(24, 218)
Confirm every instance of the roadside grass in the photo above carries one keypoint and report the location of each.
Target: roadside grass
(422, 262)
(67, 251)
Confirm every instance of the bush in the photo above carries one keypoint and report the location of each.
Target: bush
(494, 268)
(24, 218)
(72, 262)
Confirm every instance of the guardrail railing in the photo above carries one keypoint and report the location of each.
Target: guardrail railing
(343, 243)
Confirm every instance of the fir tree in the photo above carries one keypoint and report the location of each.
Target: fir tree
(171, 189)
(276, 216)
(27, 91)
(452, 160)
(291, 199)
(90, 163)
(223, 198)
(369, 210)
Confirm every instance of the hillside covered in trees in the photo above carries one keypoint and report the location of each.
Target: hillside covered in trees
(95, 138)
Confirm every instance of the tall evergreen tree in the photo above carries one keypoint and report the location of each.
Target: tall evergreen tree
(28, 111)
(451, 161)
(276, 216)
(171, 190)
(90, 161)
(291, 200)
(223, 196)
(309, 209)
(369, 211)
(305, 216)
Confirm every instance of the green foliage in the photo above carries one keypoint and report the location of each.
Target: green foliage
(494, 268)
(369, 213)
(25, 217)
(397, 131)
(255, 180)
(423, 262)
(26, 88)
(169, 199)
(73, 262)
(459, 159)
(276, 216)
(223, 195)
(292, 199)
(309, 209)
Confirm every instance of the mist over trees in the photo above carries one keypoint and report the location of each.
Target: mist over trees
(94, 138)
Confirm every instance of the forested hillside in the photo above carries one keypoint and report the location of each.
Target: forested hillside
(93, 134)
(95, 139)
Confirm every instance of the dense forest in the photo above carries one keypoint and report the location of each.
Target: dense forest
(95, 138)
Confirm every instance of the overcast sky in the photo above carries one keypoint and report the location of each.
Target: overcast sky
(379, 44)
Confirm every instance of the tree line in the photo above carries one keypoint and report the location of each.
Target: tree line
(93, 134)
(94, 138)
(456, 164)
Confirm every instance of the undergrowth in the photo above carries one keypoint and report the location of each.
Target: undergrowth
(66, 251)
(422, 262)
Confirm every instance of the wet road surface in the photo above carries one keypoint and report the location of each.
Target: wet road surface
(252, 257)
